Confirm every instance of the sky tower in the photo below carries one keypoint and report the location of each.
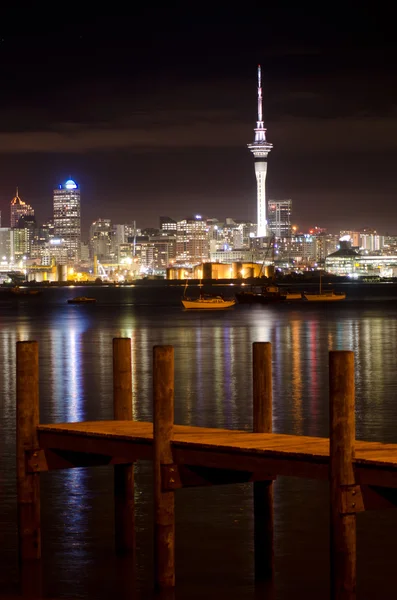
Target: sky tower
(260, 148)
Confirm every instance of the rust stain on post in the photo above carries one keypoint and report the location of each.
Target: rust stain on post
(124, 504)
(28, 484)
(263, 490)
(163, 430)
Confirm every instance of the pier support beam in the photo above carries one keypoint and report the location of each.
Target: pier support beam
(163, 431)
(342, 482)
(263, 490)
(124, 505)
(28, 484)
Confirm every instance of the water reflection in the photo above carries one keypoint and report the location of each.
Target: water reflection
(213, 387)
(66, 379)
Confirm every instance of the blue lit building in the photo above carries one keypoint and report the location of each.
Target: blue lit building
(67, 224)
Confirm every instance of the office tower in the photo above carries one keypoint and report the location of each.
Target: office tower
(19, 209)
(260, 148)
(67, 225)
(279, 217)
(101, 233)
(192, 241)
(167, 224)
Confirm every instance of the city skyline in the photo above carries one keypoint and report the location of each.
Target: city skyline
(146, 128)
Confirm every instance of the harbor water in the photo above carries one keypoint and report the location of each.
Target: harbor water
(213, 388)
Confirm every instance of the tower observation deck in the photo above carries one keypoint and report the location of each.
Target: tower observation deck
(260, 148)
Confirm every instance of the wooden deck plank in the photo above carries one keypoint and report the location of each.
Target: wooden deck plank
(223, 440)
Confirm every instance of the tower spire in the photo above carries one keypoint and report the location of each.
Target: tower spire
(260, 148)
(260, 95)
(17, 193)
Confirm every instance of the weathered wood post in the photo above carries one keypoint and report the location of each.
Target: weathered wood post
(163, 431)
(28, 484)
(263, 490)
(342, 483)
(123, 474)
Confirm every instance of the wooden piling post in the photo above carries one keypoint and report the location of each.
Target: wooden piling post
(342, 482)
(28, 484)
(163, 430)
(263, 490)
(124, 505)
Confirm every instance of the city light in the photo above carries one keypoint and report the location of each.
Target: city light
(70, 184)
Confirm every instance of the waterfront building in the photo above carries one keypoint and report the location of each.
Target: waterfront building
(260, 148)
(279, 217)
(19, 209)
(67, 225)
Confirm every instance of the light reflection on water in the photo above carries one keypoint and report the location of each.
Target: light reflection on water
(213, 387)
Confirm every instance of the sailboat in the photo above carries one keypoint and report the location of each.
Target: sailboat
(324, 296)
(206, 301)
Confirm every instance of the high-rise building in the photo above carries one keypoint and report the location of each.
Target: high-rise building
(260, 148)
(167, 224)
(279, 217)
(67, 226)
(101, 239)
(192, 241)
(19, 209)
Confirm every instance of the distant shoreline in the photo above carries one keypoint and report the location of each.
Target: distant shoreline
(287, 281)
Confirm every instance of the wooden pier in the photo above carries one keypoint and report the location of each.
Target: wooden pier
(362, 475)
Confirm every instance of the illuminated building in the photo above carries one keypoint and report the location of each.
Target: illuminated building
(167, 224)
(19, 243)
(260, 148)
(324, 244)
(19, 209)
(100, 239)
(279, 217)
(192, 241)
(5, 243)
(67, 218)
(366, 239)
(165, 250)
(302, 248)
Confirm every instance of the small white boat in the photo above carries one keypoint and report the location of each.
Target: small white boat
(324, 296)
(329, 296)
(208, 302)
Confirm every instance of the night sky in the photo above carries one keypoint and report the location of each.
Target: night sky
(151, 113)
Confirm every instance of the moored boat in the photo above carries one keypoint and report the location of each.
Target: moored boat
(81, 300)
(324, 296)
(328, 296)
(17, 291)
(291, 296)
(208, 303)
